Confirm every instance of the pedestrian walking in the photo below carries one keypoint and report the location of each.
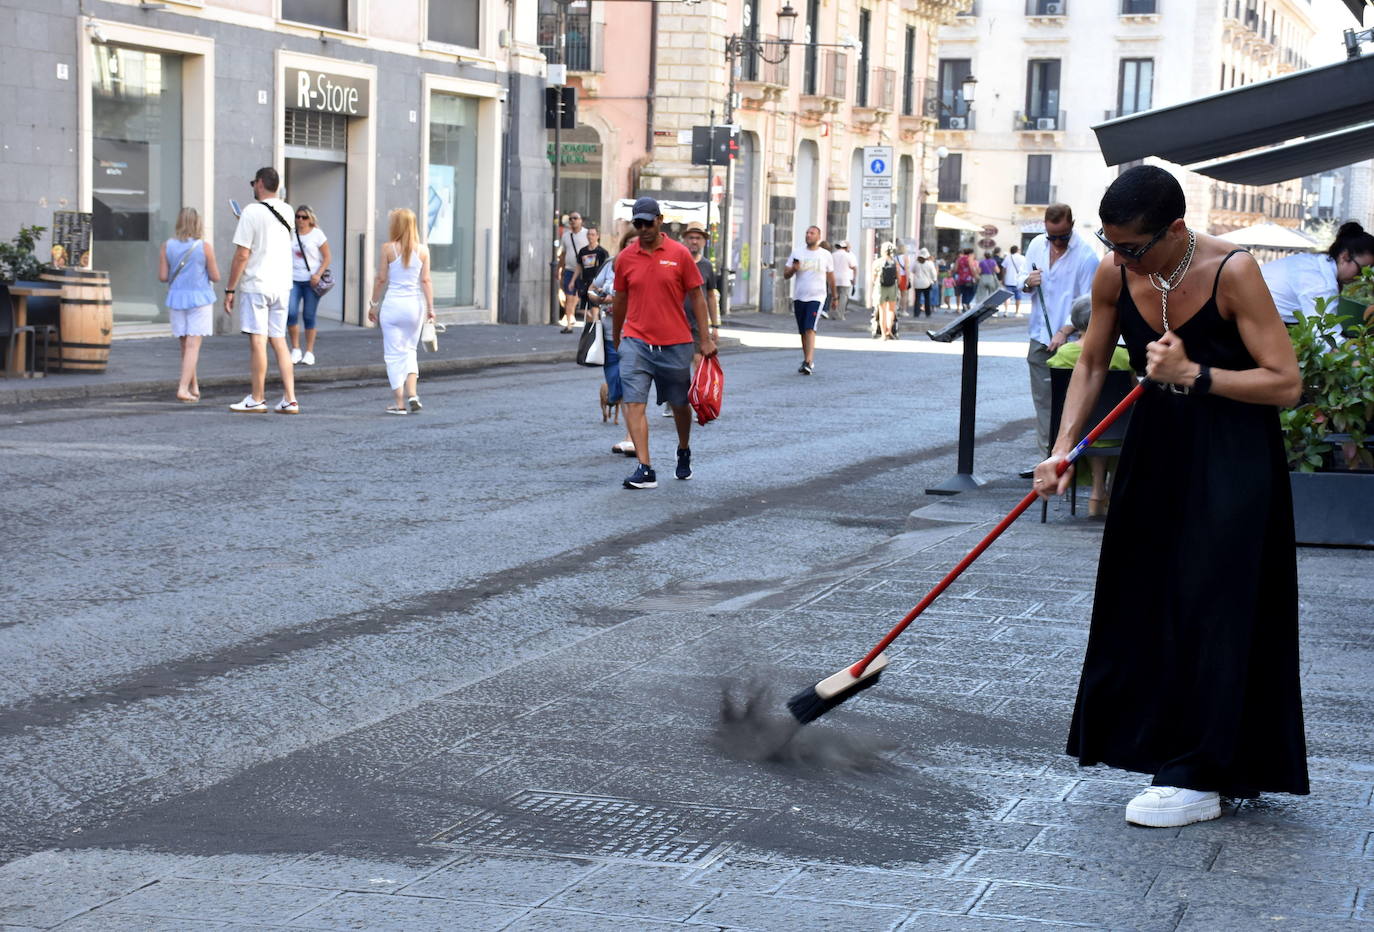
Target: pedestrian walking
(187, 264)
(988, 279)
(906, 260)
(694, 238)
(570, 244)
(1060, 267)
(814, 270)
(965, 278)
(1013, 273)
(310, 259)
(1191, 669)
(923, 283)
(846, 268)
(883, 285)
(600, 295)
(590, 259)
(260, 285)
(653, 275)
(1297, 281)
(403, 275)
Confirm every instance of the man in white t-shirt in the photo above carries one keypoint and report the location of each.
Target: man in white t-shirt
(260, 285)
(815, 272)
(1013, 273)
(846, 267)
(573, 240)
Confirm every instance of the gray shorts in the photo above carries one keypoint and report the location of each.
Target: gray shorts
(669, 368)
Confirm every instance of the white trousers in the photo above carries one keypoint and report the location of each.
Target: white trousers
(401, 319)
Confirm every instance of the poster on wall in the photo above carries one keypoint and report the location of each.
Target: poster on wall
(120, 201)
(71, 239)
(439, 206)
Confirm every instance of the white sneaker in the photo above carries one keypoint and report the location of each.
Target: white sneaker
(287, 407)
(666, 410)
(295, 355)
(1171, 806)
(249, 406)
(308, 359)
(625, 447)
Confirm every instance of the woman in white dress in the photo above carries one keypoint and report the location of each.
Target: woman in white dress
(403, 273)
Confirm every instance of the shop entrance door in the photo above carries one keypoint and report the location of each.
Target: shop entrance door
(322, 186)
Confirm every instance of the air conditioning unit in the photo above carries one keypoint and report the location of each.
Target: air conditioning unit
(1049, 123)
(1053, 9)
(958, 122)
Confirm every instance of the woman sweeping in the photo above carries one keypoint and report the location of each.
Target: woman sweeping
(1191, 672)
(403, 272)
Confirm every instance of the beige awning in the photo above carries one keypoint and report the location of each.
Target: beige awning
(944, 220)
(1271, 235)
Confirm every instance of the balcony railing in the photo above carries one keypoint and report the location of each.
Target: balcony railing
(882, 89)
(914, 96)
(754, 67)
(1038, 122)
(1038, 193)
(834, 74)
(1047, 7)
(957, 120)
(583, 41)
(952, 193)
(1139, 7)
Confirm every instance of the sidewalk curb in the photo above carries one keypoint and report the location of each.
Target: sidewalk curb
(304, 375)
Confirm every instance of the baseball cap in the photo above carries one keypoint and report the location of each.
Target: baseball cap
(923, 253)
(646, 208)
(843, 244)
(694, 227)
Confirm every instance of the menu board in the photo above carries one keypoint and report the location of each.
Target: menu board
(71, 239)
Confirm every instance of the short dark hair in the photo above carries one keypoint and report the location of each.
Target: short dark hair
(1055, 213)
(1016, 249)
(1145, 197)
(1351, 238)
(269, 178)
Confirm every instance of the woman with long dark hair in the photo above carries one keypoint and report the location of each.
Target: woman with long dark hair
(1296, 282)
(1191, 672)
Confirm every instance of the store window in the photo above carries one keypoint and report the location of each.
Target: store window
(332, 14)
(451, 198)
(579, 175)
(455, 22)
(136, 108)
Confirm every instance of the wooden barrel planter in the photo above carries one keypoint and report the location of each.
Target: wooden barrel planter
(86, 320)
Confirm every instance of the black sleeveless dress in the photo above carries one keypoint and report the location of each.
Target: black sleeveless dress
(1191, 673)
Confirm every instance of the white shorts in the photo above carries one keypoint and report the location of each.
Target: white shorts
(193, 321)
(262, 313)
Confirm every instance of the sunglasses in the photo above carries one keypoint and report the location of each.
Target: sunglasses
(1058, 237)
(643, 224)
(302, 216)
(1130, 252)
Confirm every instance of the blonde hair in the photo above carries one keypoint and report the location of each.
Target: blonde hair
(189, 225)
(302, 209)
(403, 233)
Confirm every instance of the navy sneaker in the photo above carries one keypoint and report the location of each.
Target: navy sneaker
(684, 463)
(805, 368)
(642, 478)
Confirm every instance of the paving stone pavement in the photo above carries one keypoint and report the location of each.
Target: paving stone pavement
(582, 789)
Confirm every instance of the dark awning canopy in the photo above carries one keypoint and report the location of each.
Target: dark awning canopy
(1306, 103)
(1356, 7)
(1295, 159)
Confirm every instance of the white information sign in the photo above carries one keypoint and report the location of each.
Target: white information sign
(877, 167)
(877, 202)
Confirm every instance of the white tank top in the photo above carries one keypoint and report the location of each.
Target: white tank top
(404, 281)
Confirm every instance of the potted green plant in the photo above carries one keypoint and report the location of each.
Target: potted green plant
(17, 260)
(1328, 433)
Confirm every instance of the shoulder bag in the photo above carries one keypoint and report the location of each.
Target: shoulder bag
(185, 257)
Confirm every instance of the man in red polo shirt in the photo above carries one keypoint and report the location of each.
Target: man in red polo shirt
(653, 277)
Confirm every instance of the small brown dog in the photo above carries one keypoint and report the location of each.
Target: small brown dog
(609, 411)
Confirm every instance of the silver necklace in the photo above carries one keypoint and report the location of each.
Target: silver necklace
(1166, 285)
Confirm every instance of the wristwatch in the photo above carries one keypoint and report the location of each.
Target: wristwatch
(1202, 382)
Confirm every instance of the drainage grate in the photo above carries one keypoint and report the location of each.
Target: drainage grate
(600, 826)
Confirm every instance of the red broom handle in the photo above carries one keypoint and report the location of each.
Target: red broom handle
(858, 668)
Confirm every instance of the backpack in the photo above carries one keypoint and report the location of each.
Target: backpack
(888, 276)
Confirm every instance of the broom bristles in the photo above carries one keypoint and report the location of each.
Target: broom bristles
(810, 704)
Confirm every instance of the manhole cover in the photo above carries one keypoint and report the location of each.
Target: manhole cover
(600, 826)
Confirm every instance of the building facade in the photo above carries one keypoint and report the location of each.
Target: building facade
(1049, 70)
(132, 110)
(856, 74)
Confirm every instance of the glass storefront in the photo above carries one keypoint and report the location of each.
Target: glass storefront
(579, 175)
(451, 198)
(136, 173)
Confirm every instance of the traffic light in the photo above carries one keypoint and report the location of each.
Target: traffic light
(560, 101)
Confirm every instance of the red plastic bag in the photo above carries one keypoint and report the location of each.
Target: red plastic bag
(708, 388)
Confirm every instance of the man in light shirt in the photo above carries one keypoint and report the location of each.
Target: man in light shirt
(1060, 265)
(260, 285)
(815, 272)
(846, 267)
